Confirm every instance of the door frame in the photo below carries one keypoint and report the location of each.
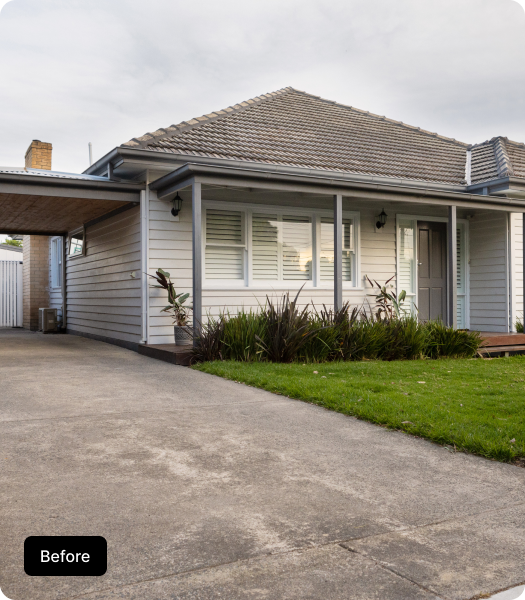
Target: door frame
(465, 257)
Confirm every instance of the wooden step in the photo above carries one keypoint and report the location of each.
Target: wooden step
(502, 350)
(503, 339)
(176, 355)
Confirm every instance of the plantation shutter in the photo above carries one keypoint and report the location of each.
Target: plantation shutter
(224, 254)
(406, 262)
(327, 249)
(297, 248)
(265, 247)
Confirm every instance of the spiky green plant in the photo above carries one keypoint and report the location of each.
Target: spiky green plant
(287, 329)
(446, 342)
(240, 336)
(209, 343)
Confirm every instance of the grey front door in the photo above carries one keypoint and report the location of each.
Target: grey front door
(432, 270)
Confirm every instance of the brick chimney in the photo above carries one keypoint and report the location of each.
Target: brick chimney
(36, 248)
(38, 155)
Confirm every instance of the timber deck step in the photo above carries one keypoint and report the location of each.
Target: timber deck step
(503, 339)
(176, 355)
(502, 350)
(502, 344)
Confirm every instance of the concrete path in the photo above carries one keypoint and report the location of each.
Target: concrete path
(208, 489)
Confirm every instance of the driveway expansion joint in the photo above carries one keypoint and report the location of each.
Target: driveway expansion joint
(390, 569)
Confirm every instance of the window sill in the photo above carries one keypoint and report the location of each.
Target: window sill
(274, 288)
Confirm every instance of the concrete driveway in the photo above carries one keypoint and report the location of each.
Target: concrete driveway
(206, 489)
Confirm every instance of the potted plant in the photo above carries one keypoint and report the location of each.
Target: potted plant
(176, 307)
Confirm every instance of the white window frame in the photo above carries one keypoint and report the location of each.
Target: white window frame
(462, 292)
(56, 263)
(71, 234)
(247, 209)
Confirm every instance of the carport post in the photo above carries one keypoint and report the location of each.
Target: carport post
(196, 205)
(338, 252)
(452, 290)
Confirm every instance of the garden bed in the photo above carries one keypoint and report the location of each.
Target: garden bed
(470, 405)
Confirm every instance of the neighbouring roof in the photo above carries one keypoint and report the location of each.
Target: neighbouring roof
(11, 248)
(497, 158)
(293, 128)
(51, 174)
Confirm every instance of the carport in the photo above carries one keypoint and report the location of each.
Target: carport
(37, 202)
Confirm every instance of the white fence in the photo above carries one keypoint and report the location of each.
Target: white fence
(11, 293)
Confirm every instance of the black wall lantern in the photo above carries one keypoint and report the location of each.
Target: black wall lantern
(177, 205)
(381, 219)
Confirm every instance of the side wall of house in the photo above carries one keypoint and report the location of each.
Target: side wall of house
(104, 286)
(489, 248)
(170, 249)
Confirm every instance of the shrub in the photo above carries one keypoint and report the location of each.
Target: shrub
(328, 341)
(210, 341)
(446, 342)
(240, 337)
(406, 339)
(287, 329)
(282, 333)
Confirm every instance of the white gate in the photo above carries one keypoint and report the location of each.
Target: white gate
(11, 293)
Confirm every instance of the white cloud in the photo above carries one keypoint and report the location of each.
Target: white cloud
(75, 71)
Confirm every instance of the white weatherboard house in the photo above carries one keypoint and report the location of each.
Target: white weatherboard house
(278, 192)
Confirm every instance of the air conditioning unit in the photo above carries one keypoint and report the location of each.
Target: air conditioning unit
(47, 320)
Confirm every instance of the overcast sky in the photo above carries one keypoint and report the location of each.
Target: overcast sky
(75, 71)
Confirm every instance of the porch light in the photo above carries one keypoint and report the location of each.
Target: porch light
(177, 205)
(381, 219)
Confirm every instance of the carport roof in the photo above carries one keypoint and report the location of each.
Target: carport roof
(52, 203)
(22, 171)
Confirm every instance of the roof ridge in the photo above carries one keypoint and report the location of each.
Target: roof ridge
(147, 138)
(513, 142)
(381, 117)
(503, 162)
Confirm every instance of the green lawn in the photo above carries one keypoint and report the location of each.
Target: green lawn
(472, 405)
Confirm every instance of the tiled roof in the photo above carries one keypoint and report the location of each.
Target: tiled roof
(497, 158)
(516, 152)
(297, 129)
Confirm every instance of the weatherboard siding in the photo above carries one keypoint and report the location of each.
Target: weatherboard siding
(170, 249)
(488, 272)
(102, 297)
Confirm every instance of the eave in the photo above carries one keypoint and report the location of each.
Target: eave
(364, 187)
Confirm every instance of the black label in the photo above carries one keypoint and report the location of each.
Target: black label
(65, 556)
